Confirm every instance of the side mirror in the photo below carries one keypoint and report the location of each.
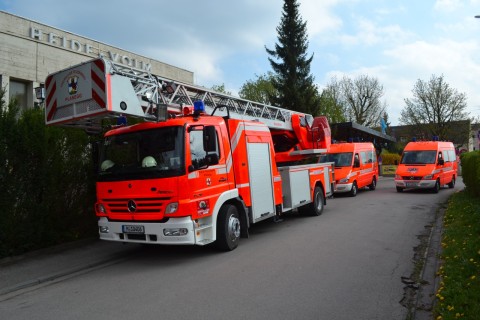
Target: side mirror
(209, 139)
(441, 162)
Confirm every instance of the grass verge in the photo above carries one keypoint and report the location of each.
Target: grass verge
(459, 290)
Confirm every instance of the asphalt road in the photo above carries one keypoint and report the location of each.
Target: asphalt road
(345, 264)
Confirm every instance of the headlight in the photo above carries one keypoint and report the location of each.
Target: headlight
(175, 232)
(171, 208)
(100, 208)
(428, 177)
(345, 180)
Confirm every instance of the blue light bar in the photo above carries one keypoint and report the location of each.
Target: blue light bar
(198, 106)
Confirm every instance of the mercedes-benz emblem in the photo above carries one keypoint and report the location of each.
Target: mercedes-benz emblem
(132, 206)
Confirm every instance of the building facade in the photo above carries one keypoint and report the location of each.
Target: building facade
(30, 51)
(464, 135)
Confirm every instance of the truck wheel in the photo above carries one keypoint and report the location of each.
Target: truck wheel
(228, 228)
(452, 183)
(373, 185)
(437, 187)
(354, 190)
(316, 207)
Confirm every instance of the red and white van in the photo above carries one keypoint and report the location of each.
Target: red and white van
(355, 166)
(427, 165)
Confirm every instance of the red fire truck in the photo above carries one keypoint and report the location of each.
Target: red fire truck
(201, 168)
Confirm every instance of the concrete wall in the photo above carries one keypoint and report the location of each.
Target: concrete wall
(30, 50)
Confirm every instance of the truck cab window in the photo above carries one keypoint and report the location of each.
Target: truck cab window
(199, 151)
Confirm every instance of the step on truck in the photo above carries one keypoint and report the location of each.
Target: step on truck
(200, 167)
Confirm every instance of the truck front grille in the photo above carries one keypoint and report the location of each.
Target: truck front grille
(141, 205)
(411, 178)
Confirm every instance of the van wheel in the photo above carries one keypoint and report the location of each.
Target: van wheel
(373, 185)
(437, 187)
(228, 228)
(452, 183)
(399, 189)
(354, 190)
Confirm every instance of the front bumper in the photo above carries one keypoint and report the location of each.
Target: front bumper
(421, 184)
(153, 231)
(343, 187)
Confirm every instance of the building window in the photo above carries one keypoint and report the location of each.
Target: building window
(18, 91)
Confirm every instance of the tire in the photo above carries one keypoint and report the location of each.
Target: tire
(228, 228)
(451, 184)
(437, 187)
(354, 190)
(315, 208)
(399, 189)
(373, 185)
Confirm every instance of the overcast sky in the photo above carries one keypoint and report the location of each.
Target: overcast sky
(223, 41)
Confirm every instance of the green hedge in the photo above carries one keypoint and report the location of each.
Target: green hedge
(390, 158)
(471, 171)
(46, 182)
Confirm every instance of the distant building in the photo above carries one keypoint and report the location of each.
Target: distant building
(475, 134)
(31, 50)
(354, 132)
(459, 132)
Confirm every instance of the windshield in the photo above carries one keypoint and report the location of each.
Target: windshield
(143, 155)
(343, 159)
(419, 157)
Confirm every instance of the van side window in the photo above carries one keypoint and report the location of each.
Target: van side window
(451, 155)
(446, 157)
(371, 157)
(363, 155)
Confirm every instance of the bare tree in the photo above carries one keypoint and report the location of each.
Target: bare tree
(434, 106)
(331, 102)
(362, 100)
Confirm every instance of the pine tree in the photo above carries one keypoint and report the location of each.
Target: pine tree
(292, 80)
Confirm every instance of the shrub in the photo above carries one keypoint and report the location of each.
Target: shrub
(46, 182)
(390, 158)
(470, 162)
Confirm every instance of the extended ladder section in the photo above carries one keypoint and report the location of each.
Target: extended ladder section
(83, 95)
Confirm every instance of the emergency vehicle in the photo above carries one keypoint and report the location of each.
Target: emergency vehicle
(203, 166)
(356, 166)
(427, 165)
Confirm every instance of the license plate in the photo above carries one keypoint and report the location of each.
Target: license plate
(133, 229)
(411, 184)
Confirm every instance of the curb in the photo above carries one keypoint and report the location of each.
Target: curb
(61, 274)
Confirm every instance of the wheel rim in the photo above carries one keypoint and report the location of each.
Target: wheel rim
(233, 228)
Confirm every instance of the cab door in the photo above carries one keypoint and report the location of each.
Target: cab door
(207, 171)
